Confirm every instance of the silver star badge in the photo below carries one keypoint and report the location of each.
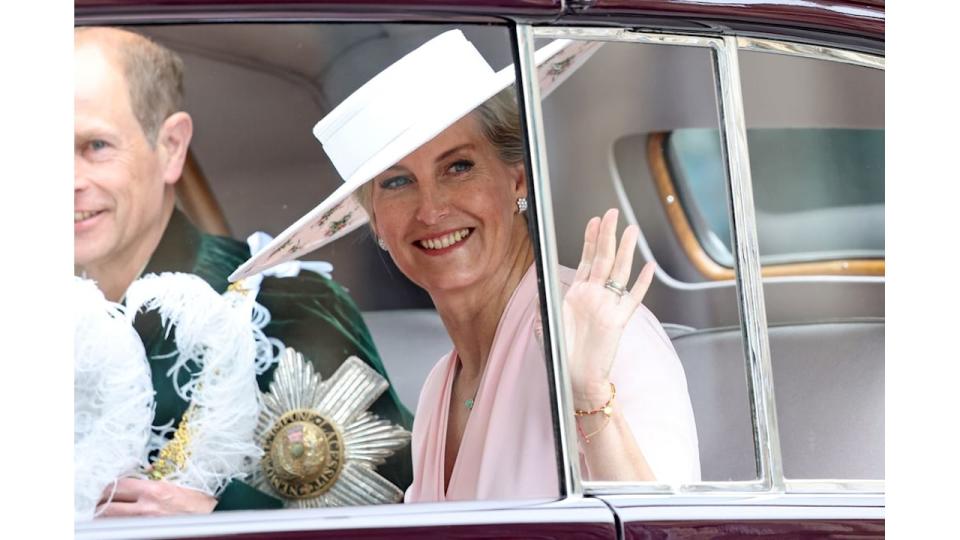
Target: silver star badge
(321, 445)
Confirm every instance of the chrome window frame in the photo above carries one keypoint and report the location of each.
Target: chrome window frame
(813, 52)
(568, 472)
(748, 281)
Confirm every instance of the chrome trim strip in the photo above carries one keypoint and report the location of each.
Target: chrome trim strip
(815, 52)
(753, 314)
(835, 486)
(749, 499)
(543, 201)
(595, 487)
(746, 513)
(731, 486)
(396, 516)
(624, 35)
(651, 488)
(742, 507)
(707, 488)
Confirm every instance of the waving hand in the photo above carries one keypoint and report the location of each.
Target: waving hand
(598, 305)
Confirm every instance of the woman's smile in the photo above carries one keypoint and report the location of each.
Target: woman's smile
(447, 212)
(445, 242)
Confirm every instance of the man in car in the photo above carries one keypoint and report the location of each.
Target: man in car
(131, 141)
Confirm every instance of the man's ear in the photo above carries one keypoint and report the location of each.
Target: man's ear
(173, 140)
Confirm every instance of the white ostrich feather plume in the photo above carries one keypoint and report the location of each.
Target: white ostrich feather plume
(242, 295)
(217, 335)
(113, 397)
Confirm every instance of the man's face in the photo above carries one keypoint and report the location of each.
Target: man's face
(118, 186)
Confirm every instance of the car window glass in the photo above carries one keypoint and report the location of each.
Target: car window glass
(805, 180)
(816, 153)
(686, 352)
(255, 93)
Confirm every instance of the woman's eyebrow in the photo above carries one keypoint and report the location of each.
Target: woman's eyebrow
(454, 150)
(396, 169)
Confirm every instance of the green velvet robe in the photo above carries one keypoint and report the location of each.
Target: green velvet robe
(309, 312)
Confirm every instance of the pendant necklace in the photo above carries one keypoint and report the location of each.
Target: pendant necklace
(468, 403)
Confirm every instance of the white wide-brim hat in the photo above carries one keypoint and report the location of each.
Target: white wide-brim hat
(399, 110)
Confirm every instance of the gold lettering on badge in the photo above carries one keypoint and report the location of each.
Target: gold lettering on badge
(303, 454)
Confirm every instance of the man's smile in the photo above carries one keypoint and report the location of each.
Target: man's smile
(83, 215)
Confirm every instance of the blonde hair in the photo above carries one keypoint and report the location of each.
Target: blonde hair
(500, 124)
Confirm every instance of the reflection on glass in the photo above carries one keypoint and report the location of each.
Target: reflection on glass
(449, 212)
(598, 127)
(817, 155)
(816, 190)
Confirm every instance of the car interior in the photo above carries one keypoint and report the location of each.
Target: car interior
(617, 133)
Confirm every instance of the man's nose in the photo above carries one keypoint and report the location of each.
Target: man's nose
(434, 204)
(80, 176)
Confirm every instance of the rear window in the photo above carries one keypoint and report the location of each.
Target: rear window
(819, 193)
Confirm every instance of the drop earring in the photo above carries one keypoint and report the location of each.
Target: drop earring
(381, 243)
(521, 205)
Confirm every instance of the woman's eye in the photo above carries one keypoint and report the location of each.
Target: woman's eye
(394, 182)
(97, 144)
(461, 166)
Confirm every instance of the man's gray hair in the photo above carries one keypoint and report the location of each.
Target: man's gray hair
(154, 76)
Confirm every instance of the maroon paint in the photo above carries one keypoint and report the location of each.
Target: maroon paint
(585, 531)
(837, 529)
(812, 14)
(462, 6)
(818, 15)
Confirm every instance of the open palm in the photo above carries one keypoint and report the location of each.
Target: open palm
(594, 312)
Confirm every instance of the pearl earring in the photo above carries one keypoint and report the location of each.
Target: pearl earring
(521, 205)
(381, 243)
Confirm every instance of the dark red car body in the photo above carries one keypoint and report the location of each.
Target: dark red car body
(856, 25)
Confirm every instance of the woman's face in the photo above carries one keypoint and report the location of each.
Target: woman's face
(447, 212)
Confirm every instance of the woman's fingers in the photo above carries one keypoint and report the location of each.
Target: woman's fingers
(603, 260)
(640, 287)
(589, 249)
(606, 248)
(623, 263)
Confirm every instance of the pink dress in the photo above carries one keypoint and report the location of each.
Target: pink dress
(507, 450)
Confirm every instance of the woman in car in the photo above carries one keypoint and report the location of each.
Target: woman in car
(436, 159)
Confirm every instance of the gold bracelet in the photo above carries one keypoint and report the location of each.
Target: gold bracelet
(606, 408)
(586, 437)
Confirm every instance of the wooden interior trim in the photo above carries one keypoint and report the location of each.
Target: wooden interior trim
(711, 269)
(197, 200)
(667, 193)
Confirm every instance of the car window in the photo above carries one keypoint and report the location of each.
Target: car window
(806, 180)
(254, 92)
(823, 121)
(615, 143)
(681, 359)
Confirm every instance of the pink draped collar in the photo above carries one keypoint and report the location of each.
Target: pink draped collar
(507, 450)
